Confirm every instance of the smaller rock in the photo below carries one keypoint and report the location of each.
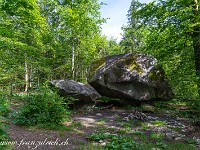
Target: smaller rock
(101, 141)
(197, 140)
(140, 116)
(148, 108)
(184, 130)
(131, 116)
(112, 127)
(125, 119)
(107, 133)
(95, 144)
(111, 117)
(152, 118)
(103, 144)
(169, 135)
(190, 128)
(155, 149)
(177, 138)
(99, 114)
(174, 135)
(70, 88)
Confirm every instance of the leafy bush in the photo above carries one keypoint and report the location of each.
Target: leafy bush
(3, 138)
(124, 143)
(195, 113)
(4, 105)
(117, 142)
(3, 112)
(40, 108)
(106, 99)
(98, 136)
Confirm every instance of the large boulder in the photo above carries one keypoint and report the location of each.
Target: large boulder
(134, 77)
(71, 88)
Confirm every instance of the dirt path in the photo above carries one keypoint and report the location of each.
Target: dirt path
(112, 121)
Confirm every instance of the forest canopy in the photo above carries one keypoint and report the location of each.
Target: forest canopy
(42, 40)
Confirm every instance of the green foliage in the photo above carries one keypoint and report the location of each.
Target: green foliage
(117, 142)
(161, 145)
(41, 108)
(4, 137)
(4, 105)
(165, 29)
(158, 123)
(157, 136)
(105, 99)
(3, 112)
(98, 136)
(179, 145)
(124, 143)
(43, 35)
(89, 147)
(194, 105)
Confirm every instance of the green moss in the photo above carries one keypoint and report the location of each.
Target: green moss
(153, 76)
(157, 74)
(131, 63)
(96, 66)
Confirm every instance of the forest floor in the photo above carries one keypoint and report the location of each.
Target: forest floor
(163, 129)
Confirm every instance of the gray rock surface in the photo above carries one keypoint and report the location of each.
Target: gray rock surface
(132, 76)
(71, 88)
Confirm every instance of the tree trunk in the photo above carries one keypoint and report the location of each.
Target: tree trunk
(30, 76)
(26, 77)
(73, 60)
(196, 41)
(73, 50)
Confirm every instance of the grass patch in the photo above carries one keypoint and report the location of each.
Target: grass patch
(90, 147)
(158, 123)
(116, 142)
(101, 122)
(157, 136)
(122, 131)
(180, 146)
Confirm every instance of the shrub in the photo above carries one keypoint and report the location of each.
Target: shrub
(195, 113)
(4, 105)
(106, 99)
(3, 138)
(124, 143)
(117, 142)
(3, 112)
(40, 108)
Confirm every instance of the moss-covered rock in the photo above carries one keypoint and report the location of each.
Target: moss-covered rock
(131, 76)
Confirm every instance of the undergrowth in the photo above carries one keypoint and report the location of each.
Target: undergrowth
(43, 107)
(3, 113)
(116, 142)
